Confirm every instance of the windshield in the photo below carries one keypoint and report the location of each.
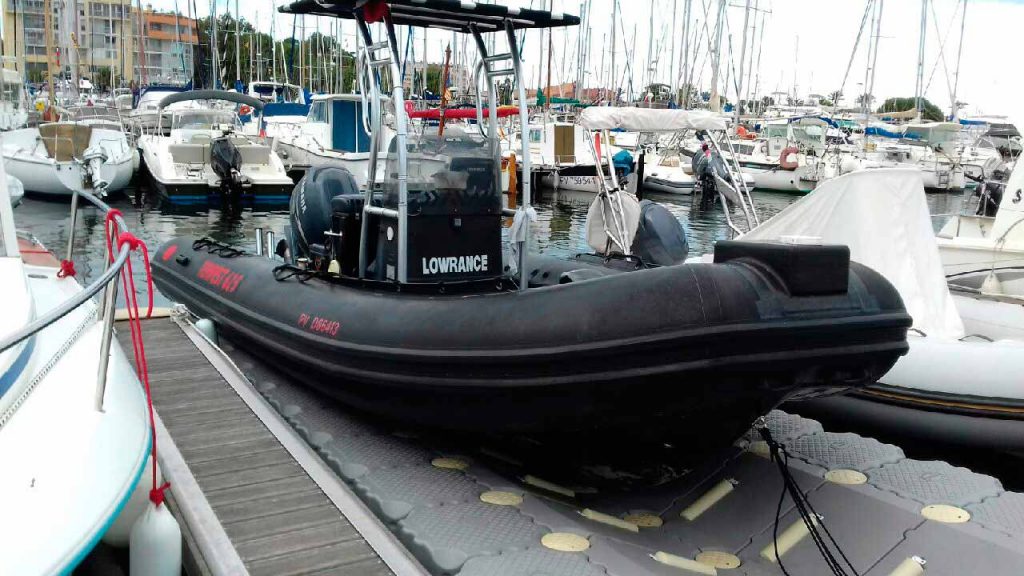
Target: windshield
(204, 120)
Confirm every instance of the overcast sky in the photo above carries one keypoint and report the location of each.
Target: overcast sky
(991, 70)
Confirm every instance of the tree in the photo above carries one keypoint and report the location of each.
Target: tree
(825, 102)
(835, 97)
(929, 111)
(865, 98)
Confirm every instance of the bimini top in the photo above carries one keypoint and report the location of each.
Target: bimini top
(211, 95)
(649, 119)
(448, 14)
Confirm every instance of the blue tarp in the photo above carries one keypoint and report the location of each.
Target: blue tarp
(623, 159)
(876, 131)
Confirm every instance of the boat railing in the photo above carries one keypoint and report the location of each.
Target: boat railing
(107, 282)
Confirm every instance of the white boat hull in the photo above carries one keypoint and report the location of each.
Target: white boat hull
(68, 469)
(25, 158)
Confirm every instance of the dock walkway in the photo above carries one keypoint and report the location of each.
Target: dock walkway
(295, 483)
(249, 494)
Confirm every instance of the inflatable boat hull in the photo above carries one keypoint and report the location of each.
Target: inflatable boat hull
(665, 352)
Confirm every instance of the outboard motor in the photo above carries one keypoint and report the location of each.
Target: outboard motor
(226, 161)
(324, 213)
(708, 170)
(660, 239)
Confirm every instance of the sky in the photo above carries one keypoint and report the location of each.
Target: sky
(805, 42)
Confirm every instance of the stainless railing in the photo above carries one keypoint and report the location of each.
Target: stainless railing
(106, 281)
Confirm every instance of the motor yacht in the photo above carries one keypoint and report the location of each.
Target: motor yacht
(206, 153)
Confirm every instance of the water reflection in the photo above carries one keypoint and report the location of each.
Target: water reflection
(560, 229)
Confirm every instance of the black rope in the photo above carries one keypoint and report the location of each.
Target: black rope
(217, 248)
(989, 269)
(287, 272)
(812, 520)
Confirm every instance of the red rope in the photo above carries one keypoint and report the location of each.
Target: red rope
(156, 495)
(67, 268)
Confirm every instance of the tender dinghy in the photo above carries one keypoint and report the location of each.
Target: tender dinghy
(957, 385)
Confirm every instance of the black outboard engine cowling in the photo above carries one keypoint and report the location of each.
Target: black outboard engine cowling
(226, 161)
(310, 209)
(660, 239)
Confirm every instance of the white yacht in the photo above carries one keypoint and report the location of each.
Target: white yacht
(13, 102)
(983, 245)
(60, 158)
(333, 134)
(144, 115)
(74, 433)
(207, 154)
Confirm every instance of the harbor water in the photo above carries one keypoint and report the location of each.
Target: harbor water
(559, 230)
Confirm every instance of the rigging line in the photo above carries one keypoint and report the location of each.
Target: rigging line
(942, 53)
(856, 44)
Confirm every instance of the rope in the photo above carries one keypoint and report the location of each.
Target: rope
(287, 272)
(156, 494)
(812, 520)
(216, 248)
(67, 269)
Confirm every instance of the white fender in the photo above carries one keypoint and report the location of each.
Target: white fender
(155, 543)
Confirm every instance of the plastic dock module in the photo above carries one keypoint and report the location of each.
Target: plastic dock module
(250, 495)
(871, 497)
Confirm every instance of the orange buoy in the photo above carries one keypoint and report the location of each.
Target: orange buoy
(784, 162)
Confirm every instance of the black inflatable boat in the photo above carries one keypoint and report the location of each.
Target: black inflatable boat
(641, 346)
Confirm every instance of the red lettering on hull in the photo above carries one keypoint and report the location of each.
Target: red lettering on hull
(318, 325)
(220, 277)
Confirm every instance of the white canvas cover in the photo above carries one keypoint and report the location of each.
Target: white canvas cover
(649, 119)
(882, 215)
(602, 205)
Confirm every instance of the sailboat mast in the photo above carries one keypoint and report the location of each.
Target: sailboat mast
(615, 17)
(955, 113)
(48, 23)
(686, 53)
(715, 105)
(547, 89)
(142, 42)
(672, 55)
(238, 46)
(649, 70)
(214, 59)
(874, 58)
(743, 61)
(919, 87)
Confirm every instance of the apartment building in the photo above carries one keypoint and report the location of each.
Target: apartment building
(105, 36)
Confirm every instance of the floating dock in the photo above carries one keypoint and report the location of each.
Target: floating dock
(269, 477)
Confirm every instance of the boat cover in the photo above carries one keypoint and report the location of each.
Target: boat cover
(882, 215)
(649, 119)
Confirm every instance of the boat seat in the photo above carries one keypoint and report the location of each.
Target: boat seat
(200, 139)
(64, 141)
(189, 153)
(254, 154)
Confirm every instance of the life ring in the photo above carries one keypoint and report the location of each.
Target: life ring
(244, 110)
(784, 161)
